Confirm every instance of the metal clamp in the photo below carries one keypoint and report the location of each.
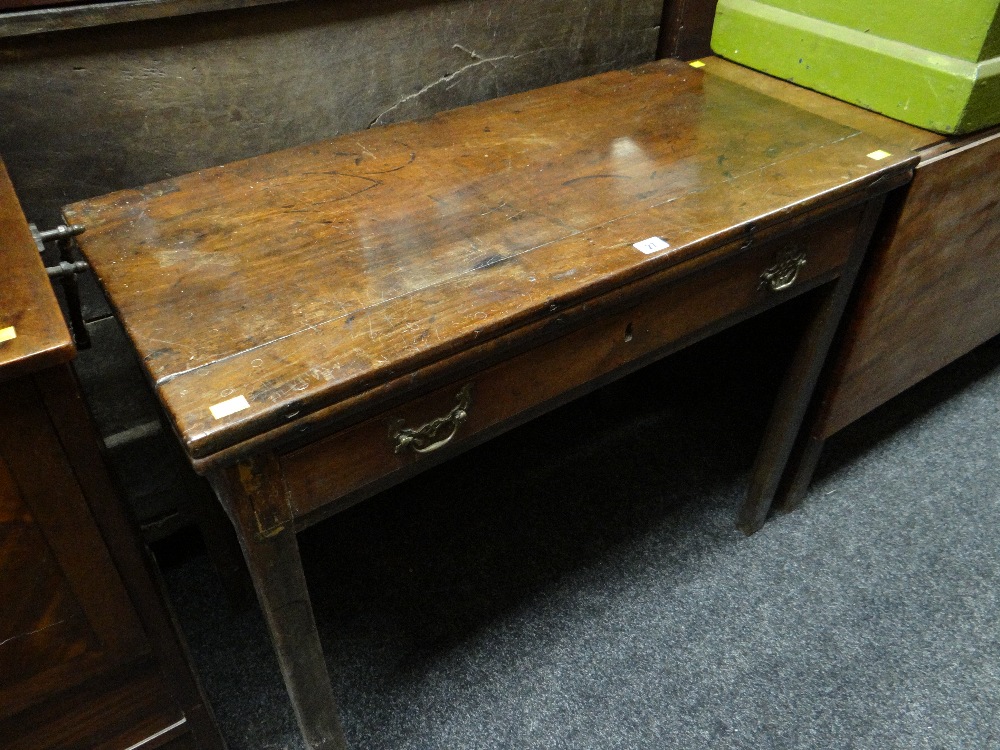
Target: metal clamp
(784, 272)
(66, 272)
(61, 232)
(435, 434)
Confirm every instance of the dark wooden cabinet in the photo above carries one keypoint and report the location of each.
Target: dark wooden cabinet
(66, 616)
(89, 657)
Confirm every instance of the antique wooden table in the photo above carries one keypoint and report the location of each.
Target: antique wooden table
(326, 321)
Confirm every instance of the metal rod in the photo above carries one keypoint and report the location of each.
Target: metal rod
(66, 268)
(61, 232)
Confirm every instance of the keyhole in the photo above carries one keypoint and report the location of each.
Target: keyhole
(628, 333)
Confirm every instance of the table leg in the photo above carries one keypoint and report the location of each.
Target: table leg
(253, 494)
(771, 467)
(799, 472)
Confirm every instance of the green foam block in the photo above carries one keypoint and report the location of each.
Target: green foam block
(931, 63)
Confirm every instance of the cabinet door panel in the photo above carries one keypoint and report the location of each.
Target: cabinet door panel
(41, 624)
(65, 614)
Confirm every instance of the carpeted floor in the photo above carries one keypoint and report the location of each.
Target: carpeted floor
(578, 583)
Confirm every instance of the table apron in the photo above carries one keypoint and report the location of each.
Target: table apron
(340, 469)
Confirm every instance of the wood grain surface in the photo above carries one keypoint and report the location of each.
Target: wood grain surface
(825, 106)
(519, 388)
(70, 617)
(310, 276)
(88, 651)
(69, 417)
(932, 292)
(90, 655)
(123, 710)
(27, 302)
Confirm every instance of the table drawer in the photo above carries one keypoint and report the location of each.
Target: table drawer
(366, 457)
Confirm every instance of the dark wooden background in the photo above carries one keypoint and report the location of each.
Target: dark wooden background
(687, 28)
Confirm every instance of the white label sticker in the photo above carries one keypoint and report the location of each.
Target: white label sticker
(652, 245)
(879, 155)
(225, 408)
(8, 333)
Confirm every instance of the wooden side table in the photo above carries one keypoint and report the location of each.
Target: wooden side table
(323, 322)
(929, 294)
(89, 657)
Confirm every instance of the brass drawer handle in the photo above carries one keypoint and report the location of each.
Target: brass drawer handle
(429, 437)
(784, 272)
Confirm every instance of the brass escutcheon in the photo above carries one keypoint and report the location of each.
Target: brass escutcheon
(436, 433)
(784, 272)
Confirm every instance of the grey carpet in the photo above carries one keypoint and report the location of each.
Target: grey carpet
(578, 583)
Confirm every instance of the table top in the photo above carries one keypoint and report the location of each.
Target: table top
(33, 334)
(268, 289)
(827, 107)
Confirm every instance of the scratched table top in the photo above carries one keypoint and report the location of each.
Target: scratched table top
(267, 289)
